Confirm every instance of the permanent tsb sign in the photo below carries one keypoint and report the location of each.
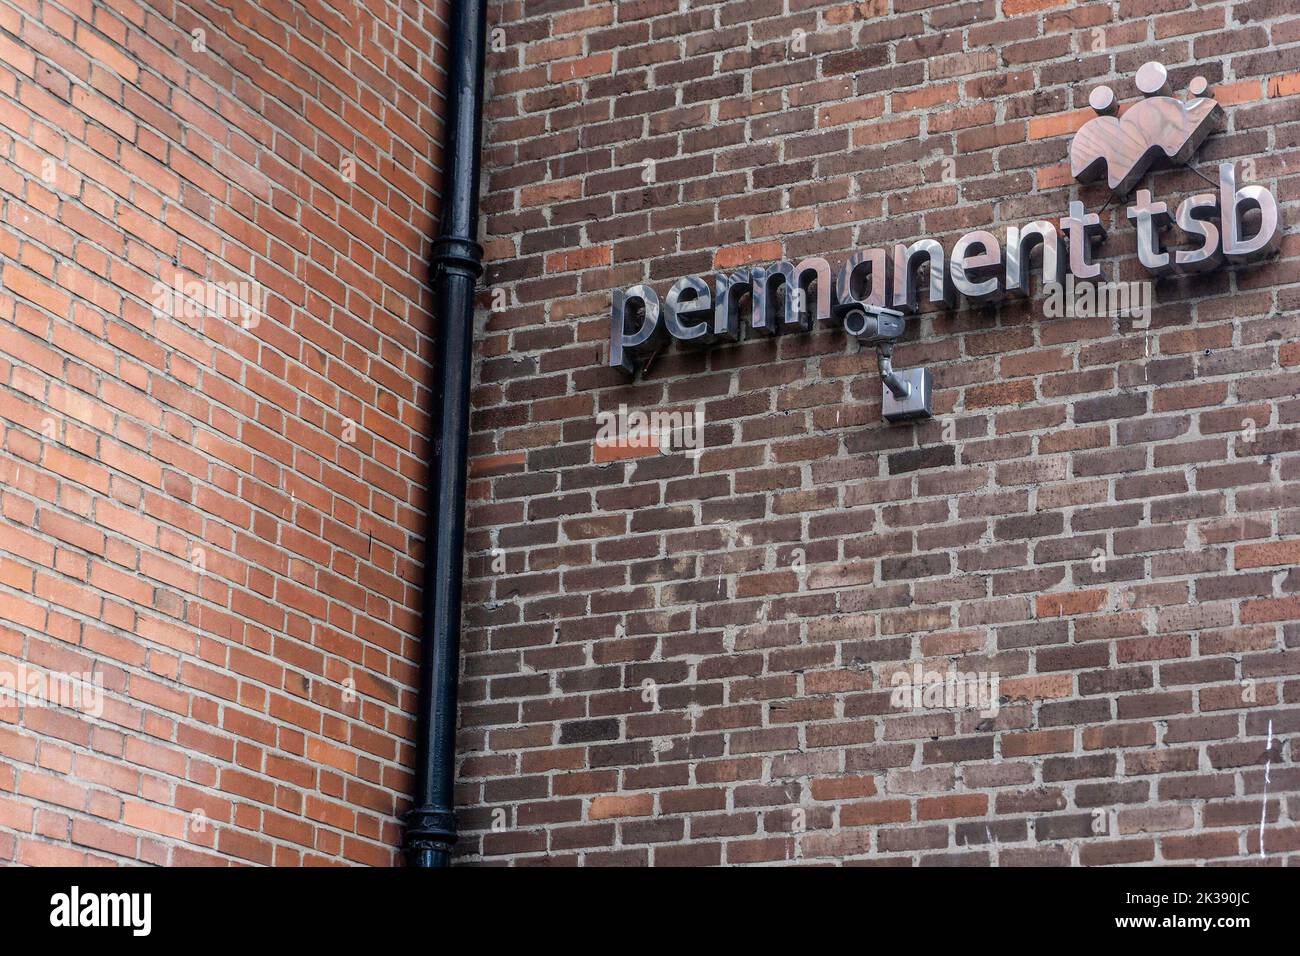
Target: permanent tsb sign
(788, 296)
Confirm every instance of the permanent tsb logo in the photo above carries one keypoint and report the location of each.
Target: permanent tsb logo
(874, 288)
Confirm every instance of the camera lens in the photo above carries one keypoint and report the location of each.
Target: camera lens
(859, 325)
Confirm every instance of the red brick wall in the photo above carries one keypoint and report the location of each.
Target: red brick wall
(1139, 697)
(215, 518)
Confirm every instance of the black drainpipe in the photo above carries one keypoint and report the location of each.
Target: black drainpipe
(457, 264)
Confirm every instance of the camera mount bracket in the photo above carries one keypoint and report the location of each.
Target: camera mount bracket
(906, 395)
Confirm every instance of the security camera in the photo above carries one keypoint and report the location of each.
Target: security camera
(906, 395)
(872, 325)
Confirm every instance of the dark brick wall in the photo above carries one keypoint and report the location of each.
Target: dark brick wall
(769, 588)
